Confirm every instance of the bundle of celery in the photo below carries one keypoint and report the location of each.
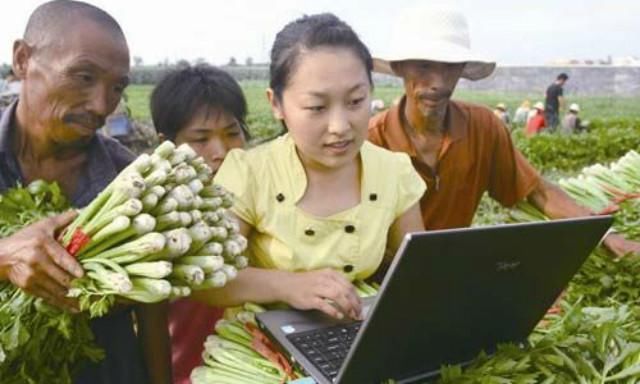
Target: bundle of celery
(38, 343)
(601, 280)
(601, 188)
(364, 289)
(230, 355)
(239, 354)
(614, 189)
(159, 230)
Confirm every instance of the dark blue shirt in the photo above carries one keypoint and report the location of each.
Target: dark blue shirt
(114, 333)
(552, 101)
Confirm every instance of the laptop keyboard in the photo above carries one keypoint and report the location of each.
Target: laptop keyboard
(326, 348)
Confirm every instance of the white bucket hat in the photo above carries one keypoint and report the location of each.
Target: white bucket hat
(445, 38)
(574, 107)
(539, 106)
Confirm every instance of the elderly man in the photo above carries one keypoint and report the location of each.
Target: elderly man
(73, 61)
(461, 150)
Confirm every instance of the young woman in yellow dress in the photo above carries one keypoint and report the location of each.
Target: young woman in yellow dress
(320, 205)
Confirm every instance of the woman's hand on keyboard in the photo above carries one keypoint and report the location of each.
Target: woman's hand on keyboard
(325, 290)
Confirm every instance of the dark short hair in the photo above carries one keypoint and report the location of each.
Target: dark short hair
(52, 20)
(563, 76)
(309, 32)
(184, 92)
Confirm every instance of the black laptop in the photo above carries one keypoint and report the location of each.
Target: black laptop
(448, 295)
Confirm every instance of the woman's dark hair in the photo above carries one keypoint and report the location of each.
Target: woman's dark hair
(306, 33)
(184, 92)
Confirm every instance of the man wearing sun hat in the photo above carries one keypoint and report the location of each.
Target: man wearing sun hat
(461, 150)
(501, 113)
(536, 122)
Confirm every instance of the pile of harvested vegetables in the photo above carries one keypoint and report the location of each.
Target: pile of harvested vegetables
(158, 231)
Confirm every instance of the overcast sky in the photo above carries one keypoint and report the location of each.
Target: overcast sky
(511, 32)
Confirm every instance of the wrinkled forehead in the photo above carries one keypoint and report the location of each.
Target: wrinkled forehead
(88, 36)
(88, 40)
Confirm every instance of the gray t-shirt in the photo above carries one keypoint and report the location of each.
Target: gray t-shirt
(114, 333)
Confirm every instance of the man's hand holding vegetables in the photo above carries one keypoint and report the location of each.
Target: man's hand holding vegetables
(620, 246)
(555, 203)
(33, 260)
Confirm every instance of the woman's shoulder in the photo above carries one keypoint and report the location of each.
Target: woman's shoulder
(265, 150)
(256, 157)
(383, 157)
(385, 169)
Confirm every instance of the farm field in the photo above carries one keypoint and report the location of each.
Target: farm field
(261, 123)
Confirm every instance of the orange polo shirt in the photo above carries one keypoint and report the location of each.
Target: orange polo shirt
(477, 155)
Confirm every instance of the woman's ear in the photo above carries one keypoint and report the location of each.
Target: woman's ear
(161, 137)
(276, 108)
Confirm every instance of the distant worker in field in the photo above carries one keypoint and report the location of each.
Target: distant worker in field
(377, 105)
(534, 111)
(501, 113)
(460, 149)
(554, 101)
(571, 123)
(537, 121)
(522, 113)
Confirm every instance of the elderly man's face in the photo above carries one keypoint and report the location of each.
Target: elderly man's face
(70, 87)
(428, 84)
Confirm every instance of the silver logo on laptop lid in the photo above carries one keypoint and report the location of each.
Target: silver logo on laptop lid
(505, 266)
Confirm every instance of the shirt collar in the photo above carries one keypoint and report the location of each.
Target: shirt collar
(97, 174)
(6, 121)
(298, 177)
(456, 124)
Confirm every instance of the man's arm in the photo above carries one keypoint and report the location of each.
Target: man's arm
(556, 204)
(153, 333)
